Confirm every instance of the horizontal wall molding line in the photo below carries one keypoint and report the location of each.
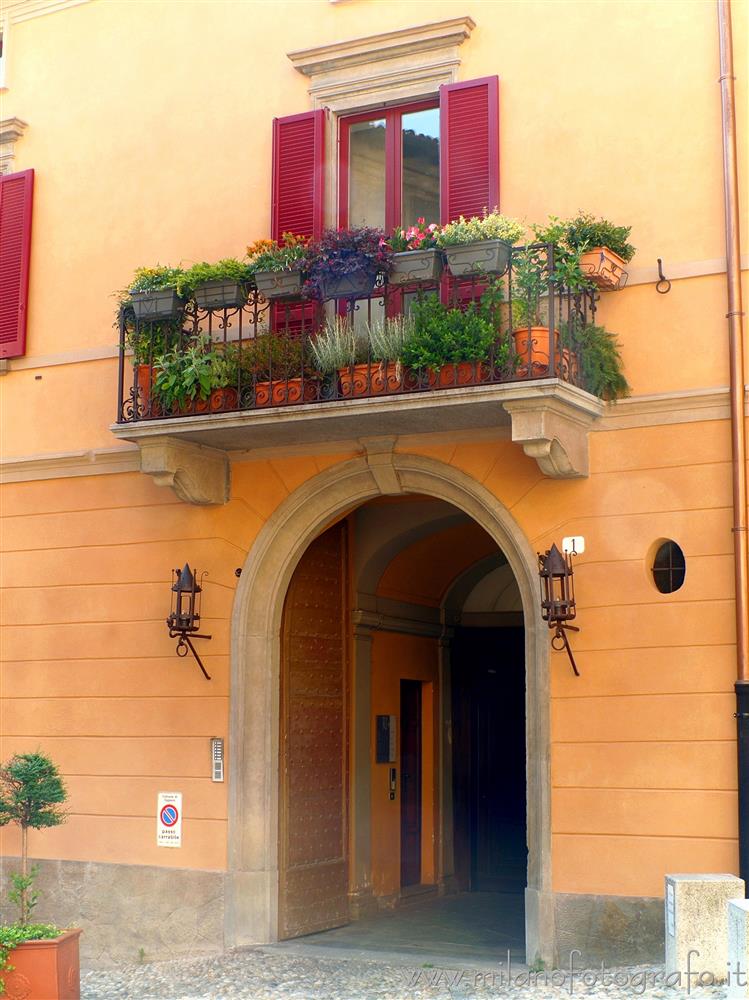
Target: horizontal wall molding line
(64, 465)
(25, 10)
(688, 406)
(682, 269)
(77, 357)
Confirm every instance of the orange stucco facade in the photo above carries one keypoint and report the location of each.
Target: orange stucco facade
(159, 150)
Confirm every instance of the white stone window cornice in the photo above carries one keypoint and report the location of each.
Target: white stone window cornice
(393, 66)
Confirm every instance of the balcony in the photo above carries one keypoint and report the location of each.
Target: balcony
(259, 375)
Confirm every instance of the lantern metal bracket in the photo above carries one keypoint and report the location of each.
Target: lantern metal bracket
(561, 635)
(185, 645)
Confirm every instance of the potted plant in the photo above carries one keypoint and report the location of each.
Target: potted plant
(37, 961)
(216, 286)
(337, 351)
(152, 294)
(600, 361)
(479, 245)
(382, 372)
(346, 263)
(275, 372)
(277, 267)
(530, 288)
(194, 378)
(416, 257)
(602, 248)
(454, 346)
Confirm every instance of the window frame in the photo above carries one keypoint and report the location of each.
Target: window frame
(393, 115)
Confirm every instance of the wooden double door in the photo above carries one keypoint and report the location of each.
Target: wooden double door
(313, 862)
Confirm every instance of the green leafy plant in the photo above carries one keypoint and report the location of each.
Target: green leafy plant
(585, 232)
(272, 356)
(337, 346)
(530, 285)
(184, 374)
(270, 255)
(11, 935)
(448, 336)
(31, 795)
(489, 226)
(418, 237)
(229, 269)
(155, 279)
(388, 338)
(600, 359)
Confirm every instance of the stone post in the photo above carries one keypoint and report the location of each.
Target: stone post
(738, 948)
(696, 911)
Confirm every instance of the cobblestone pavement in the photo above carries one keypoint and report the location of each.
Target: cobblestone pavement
(280, 974)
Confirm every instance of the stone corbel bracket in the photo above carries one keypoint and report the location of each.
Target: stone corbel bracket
(554, 431)
(197, 474)
(380, 459)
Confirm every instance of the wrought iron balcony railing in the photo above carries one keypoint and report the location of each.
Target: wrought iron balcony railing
(249, 352)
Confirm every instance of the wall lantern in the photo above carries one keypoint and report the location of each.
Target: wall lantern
(184, 621)
(558, 597)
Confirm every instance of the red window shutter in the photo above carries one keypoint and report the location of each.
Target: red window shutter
(16, 192)
(298, 174)
(469, 155)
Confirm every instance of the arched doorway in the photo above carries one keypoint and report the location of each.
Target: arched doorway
(252, 898)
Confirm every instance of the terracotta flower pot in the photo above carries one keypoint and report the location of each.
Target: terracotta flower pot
(462, 373)
(538, 336)
(45, 970)
(283, 391)
(604, 268)
(375, 379)
(220, 399)
(145, 382)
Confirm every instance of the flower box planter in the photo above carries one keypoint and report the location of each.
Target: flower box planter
(279, 284)
(416, 267)
(606, 269)
(220, 295)
(375, 379)
(481, 257)
(357, 284)
(462, 373)
(283, 391)
(164, 304)
(538, 340)
(45, 970)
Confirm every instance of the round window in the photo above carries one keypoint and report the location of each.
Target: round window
(669, 567)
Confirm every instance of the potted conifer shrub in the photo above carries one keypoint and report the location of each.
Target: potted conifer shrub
(416, 257)
(37, 961)
(277, 267)
(346, 263)
(479, 245)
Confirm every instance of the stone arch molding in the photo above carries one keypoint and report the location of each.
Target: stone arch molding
(252, 879)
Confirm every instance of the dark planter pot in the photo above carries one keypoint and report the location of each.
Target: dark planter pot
(416, 267)
(279, 284)
(221, 295)
(45, 970)
(165, 304)
(358, 284)
(481, 257)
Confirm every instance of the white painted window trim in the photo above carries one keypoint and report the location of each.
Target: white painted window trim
(394, 67)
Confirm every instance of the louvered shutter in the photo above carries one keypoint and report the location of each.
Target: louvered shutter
(16, 191)
(469, 155)
(298, 174)
(298, 196)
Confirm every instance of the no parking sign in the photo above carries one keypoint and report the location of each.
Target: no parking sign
(169, 819)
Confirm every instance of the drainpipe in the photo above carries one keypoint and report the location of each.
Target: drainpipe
(735, 319)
